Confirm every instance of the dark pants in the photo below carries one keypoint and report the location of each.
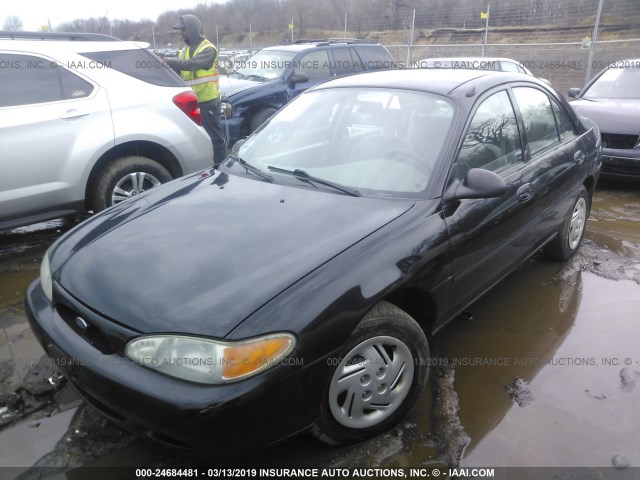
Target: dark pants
(210, 112)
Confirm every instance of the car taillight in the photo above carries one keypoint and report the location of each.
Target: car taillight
(188, 103)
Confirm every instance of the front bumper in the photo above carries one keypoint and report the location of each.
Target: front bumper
(621, 162)
(231, 418)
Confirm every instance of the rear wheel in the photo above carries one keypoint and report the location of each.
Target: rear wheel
(570, 236)
(382, 370)
(125, 178)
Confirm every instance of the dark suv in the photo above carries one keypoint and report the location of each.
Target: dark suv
(273, 76)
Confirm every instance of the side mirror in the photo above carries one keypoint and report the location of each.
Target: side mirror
(298, 77)
(237, 145)
(574, 92)
(478, 183)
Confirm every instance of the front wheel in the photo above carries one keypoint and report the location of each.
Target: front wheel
(570, 236)
(261, 117)
(382, 370)
(125, 178)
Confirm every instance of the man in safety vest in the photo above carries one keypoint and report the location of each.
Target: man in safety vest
(197, 64)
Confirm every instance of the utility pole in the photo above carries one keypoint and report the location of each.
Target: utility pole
(345, 26)
(153, 36)
(410, 49)
(592, 46)
(486, 30)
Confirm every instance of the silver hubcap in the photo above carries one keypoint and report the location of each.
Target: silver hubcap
(132, 185)
(576, 227)
(371, 382)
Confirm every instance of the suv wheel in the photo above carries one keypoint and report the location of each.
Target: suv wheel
(126, 178)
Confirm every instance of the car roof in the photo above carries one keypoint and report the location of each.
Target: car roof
(469, 59)
(441, 82)
(44, 42)
(301, 45)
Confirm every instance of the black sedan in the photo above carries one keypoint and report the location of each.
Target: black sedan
(612, 101)
(296, 288)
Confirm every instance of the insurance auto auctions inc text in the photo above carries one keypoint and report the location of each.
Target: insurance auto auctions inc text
(374, 473)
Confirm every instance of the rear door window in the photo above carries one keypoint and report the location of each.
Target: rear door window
(138, 63)
(28, 79)
(565, 125)
(376, 57)
(538, 117)
(346, 61)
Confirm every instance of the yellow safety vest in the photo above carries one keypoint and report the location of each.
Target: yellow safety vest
(203, 82)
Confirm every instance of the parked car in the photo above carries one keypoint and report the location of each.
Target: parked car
(498, 64)
(612, 100)
(86, 121)
(353, 225)
(225, 63)
(273, 76)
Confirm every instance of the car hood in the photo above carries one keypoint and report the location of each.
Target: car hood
(229, 85)
(611, 115)
(199, 255)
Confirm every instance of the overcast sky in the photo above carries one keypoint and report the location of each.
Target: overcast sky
(35, 13)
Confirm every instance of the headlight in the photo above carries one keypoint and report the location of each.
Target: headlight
(203, 360)
(45, 277)
(226, 110)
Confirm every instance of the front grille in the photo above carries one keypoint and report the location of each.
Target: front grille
(619, 141)
(618, 170)
(105, 344)
(103, 333)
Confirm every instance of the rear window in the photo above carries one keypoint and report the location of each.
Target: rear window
(140, 64)
(376, 57)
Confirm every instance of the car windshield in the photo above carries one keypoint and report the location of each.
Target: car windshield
(375, 141)
(616, 83)
(266, 64)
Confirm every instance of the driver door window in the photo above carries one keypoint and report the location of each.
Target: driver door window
(315, 65)
(492, 141)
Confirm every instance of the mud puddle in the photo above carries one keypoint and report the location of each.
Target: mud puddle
(540, 376)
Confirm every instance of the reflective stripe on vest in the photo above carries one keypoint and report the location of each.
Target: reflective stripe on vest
(203, 82)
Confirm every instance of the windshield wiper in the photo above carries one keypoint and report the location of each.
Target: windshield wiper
(257, 77)
(304, 176)
(250, 168)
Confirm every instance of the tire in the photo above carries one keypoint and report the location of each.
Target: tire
(121, 174)
(571, 233)
(389, 352)
(261, 117)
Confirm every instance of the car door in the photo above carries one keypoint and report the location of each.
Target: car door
(553, 157)
(42, 106)
(315, 65)
(488, 236)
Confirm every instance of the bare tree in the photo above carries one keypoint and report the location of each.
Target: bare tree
(13, 23)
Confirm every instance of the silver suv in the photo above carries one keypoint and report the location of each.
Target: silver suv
(87, 121)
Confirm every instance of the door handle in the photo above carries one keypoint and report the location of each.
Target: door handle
(73, 113)
(579, 157)
(525, 193)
